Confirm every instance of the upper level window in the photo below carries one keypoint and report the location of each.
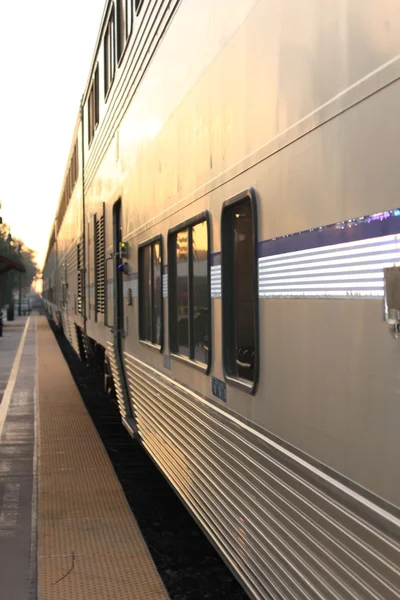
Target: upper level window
(239, 289)
(189, 290)
(93, 105)
(150, 292)
(124, 24)
(109, 54)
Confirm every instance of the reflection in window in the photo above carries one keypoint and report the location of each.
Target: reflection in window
(124, 24)
(182, 291)
(109, 54)
(200, 292)
(150, 293)
(189, 302)
(239, 273)
(157, 293)
(93, 105)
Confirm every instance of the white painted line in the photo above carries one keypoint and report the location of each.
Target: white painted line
(12, 379)
(35, 484)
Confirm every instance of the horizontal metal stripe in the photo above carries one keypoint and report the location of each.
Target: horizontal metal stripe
(219, 462)
(216, 274)
(208, 487)
(373, 278)
(222, 514)
(245, 507)
(197, 508)
(146, 420)
(122, 404)
(352, 269)
(165, 285)
(211, 423)
(360, 245)
(325, 285)
(333, 294)
(331, 261)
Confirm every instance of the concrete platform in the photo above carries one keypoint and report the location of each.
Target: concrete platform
(66, 530)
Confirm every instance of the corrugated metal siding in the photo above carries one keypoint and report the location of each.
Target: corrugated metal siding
(100, 266)
(123, 408)
(288, 529)
(80, 267)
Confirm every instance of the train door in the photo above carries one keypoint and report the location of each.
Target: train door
(118, 328)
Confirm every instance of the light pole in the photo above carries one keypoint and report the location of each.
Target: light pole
(20, 281)
(10, 307)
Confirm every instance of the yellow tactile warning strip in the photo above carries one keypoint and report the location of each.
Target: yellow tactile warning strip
(89, 544)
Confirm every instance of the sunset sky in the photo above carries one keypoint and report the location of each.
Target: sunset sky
(45, 53)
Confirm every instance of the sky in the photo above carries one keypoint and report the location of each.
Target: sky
(46, 49)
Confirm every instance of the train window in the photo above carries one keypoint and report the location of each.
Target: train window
(129, 17)
(109, 54)
(150, 292)
(93, 106)
(189, 290)
(124, 24)
(239, 290)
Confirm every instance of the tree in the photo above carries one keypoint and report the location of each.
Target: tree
(16, 250)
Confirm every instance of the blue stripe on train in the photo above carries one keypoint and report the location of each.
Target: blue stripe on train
(380, 224)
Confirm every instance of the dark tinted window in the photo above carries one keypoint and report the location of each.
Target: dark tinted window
(157, 292)
(150, 293)
(200, 292)
(129, 17)
(189, 300)
(93, 106)
(182, 291)
(239, 290)
(109, 54)
(124, 24)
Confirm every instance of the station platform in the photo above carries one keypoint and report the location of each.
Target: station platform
(66, 529)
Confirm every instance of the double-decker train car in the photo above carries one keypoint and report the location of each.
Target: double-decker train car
(221, 251)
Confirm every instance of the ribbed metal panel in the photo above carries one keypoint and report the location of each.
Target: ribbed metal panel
(100, 266)
(74, 337)
(165, 285)
(80, 266)
(287, 528)
(70, 332)
(216, 281)
(123, 408)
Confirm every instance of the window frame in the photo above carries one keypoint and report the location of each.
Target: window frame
(172, 311)
(93, 106)
(111, 58)
(226, 289)
(149, 242)
(120, 50)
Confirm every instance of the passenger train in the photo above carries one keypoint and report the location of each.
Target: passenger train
(229, 215)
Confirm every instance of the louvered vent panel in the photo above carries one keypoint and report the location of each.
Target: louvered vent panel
(100, 283)
(79, 260)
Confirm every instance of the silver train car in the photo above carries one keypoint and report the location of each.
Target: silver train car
(229, 209)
